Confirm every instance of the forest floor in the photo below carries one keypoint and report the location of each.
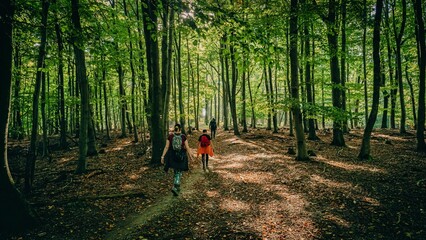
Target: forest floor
(255, 190)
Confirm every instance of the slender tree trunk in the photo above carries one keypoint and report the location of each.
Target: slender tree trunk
(398, 42)
(45, 151)
(132, 69)
(18, 130)
(62, 118)
(392, 91)
(107, 113)
(225, 81)
(30, 163)
(253, 115)
(243, 93)
(364, 61)
(289, 79)
(365, 146)
(233, 91)
(343, 66)
(80, 63)
(179, 83)
(271, 98)
(300, 137)
(309, 84)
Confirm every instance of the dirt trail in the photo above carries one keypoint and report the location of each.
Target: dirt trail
(237, 199)
(256, 190)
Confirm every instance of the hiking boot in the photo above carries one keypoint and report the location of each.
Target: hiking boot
(175, 191)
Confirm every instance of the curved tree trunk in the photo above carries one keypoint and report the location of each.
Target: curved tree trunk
(365, 147)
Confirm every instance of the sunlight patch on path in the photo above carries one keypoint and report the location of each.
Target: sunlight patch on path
(158, 208)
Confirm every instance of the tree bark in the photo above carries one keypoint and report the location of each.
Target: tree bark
(30, 163)
(16, 213)
(300, 137)
(80, 62)
(365, 146)
(398, 58)
(153, 61)
(421, 51)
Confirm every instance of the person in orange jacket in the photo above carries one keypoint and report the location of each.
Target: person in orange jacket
(205, 148)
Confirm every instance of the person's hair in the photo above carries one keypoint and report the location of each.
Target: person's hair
(204, 130)
(177, 127)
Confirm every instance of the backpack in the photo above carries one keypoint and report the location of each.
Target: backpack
(177, 142)
(177, 147)
(213, 125)
(204, 141)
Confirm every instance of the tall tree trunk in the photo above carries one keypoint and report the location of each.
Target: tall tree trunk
(62, 119)
(179, 82)
(243, 91)
(153, 61)
(253, 115)
(364, 60)
(332, 37)
(132, 69)
(31, 158)
(268, 95)
(18, 130)
(16, 213)
(225, 80)
(80, 63)
(45, 152)
(272, 100)
(343, 66)
(392, 91)
(300, 137)
(288, 73)
(107, 113)
(365, 146)
(309, 84)
(398, 43)
(233, 91)
(421, 51)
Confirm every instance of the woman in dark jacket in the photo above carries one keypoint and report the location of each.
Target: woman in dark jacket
(175, 156)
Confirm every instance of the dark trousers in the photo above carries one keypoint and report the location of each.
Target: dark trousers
(213, 133)
(205, 159)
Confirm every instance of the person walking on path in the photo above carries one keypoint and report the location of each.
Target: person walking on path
(213, 127)
(205, 148)
(175, 155)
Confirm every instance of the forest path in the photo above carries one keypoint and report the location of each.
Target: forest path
(242, 197)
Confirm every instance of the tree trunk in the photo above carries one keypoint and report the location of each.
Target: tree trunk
(18, 130)
(233, 91)
(421, 51)
(179, 83)
(365, 146)
(392, 91)
(364, 60)
(398, 43)
(308, 83)
(243, 91)
(45, 152)
(289, 78)
(300, 137)
(80, 63)
(272, 100)
(30, 163)
(343, 67)
(16, 213)
(153, 61)
(225, 80)
(132, 69)
(62, 120)
(413, 101)
(106, 105)
(332, 37)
